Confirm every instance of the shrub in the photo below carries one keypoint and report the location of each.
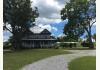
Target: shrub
(85, 44)
(6, 45)
(56, 46)
(66, 45)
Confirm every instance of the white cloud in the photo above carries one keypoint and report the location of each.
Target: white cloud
(49, 11)
(62, 2)
(61, 35)
(36, 29)
(54, 28)
(48, 27)
(46, 21)
(47, 7)
(39, 28)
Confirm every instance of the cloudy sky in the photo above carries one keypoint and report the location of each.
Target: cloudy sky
(49, 16)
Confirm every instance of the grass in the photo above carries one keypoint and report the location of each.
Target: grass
(80, 48)
(83, 63)
(17, 59)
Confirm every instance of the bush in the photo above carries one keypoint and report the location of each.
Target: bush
(66, 45)
(85, 44)
(62, 45)
(56, 46)
(6, 45)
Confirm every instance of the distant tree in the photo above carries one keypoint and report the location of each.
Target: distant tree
(81, 15)
(66, 39)
(19, 15)
(60, 39)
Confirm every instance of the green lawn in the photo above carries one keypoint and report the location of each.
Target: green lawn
(83, 63)
(80, 48)
(16, 60)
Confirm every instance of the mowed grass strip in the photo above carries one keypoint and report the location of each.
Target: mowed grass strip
(16, 60)
(83, 63)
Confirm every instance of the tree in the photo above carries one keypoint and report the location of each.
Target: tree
(62, 39)
(94, 36)
(73, 31)
(81, 15)
(18, 14)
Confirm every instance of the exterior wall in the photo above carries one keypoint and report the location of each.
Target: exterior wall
(38, 44)
(37, 36)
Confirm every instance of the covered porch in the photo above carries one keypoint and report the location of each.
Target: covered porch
(38, 43)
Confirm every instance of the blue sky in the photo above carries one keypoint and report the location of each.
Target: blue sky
(6, 35)
(60, 27)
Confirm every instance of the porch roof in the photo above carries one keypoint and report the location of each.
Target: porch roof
(38, 39)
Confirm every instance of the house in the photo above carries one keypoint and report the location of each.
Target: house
(38, 37)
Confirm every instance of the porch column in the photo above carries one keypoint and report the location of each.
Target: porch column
(33, 44)
(43, 43)
(40, 44)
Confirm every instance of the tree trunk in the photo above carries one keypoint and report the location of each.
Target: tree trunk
(16, 42)
(91, 45)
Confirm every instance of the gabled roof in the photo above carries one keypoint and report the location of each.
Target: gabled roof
(37, 30)
(45, 31)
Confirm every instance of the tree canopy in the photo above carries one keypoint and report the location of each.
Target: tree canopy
(19, 15)
(81, 15)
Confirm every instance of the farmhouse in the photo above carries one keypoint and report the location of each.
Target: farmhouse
(38, 37)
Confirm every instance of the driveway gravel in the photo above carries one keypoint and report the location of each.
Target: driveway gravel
(59, 62)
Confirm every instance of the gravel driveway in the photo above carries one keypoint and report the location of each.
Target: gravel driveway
(59, 62)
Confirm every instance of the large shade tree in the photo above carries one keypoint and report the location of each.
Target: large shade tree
(19, 15)
(81, 15)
